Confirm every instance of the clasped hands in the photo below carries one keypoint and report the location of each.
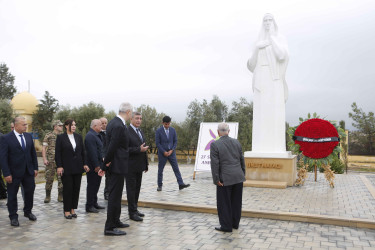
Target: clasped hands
(264, 43)
(168, 153)
(101, 172)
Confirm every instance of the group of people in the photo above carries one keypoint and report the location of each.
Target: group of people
(119, 152)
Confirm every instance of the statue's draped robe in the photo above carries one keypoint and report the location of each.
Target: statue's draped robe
(270, 94)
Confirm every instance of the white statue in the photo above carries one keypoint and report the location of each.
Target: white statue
(268, 63)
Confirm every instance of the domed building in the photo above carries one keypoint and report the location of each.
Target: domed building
(25, 104)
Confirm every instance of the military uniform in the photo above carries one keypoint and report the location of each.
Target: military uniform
(50, 142)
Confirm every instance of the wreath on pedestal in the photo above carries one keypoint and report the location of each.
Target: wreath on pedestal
(316, 141)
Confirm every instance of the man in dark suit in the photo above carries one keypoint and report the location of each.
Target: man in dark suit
(3, 190)
(94, 154)
(228, 174)
(105, 146)
(116, 160)
(138, 163)
(166, 141)
(19, 164)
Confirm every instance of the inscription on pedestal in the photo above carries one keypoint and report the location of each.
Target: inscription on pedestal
(271, 169)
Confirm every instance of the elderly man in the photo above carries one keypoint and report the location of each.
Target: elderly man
(228, 174)
(94, 153)
(116, 159)
(103, 135)
(20, 166)
(48, 153)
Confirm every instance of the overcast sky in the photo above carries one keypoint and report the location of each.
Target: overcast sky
(166, 53)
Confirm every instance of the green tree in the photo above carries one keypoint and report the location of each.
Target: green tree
(63, 113)
(365, 124)
(151, 121)
(110, 115)
(7, 88)
(6, 116)
(213, 111)
(242, 112)
(84, 114)
(42, 118)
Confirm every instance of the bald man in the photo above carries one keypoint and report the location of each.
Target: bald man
(20, 166)
(94, 153)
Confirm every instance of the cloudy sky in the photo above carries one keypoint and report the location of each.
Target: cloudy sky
(167, 53)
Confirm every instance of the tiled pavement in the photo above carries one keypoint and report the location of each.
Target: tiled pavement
(166, 229)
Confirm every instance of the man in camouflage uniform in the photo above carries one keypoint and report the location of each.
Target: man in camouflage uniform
(48, 153)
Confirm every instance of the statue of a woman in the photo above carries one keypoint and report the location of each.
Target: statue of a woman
(268, 63)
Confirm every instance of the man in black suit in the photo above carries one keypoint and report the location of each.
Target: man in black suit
(19, 164)
(94, 154)
(3, 190)
(116, 160)
(103, 135)
(138, 163)
(228, 174)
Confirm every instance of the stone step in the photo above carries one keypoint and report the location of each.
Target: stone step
(265, 184)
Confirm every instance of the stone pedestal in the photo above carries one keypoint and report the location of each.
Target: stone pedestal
(271, 171)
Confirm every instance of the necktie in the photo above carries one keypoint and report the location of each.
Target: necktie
(139, 134)
(167, 132)
(22, 142)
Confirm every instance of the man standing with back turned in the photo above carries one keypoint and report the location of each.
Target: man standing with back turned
(20, 166)
(228, 174)
(116, 160)
(166, 141)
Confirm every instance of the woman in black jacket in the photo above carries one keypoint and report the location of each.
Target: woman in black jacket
(71, 163)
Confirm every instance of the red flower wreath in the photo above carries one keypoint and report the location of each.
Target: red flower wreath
(317, 138)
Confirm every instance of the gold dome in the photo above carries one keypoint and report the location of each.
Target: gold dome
(24, 103)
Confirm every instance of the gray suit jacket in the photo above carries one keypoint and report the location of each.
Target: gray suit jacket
(227, 161)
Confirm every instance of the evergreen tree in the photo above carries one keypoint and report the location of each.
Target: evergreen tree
(7, 88)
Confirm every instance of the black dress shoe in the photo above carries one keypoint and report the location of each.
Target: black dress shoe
(30, 216)
(74, 215)
(235, 227)
(114, 232)
(97, 206)
(121, 225)
(159, 189)
(140, 214)
(135, 217)
(91, 210)
(223, 230)
(183, 186)
(14, 223)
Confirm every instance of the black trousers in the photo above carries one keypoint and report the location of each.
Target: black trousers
(3, 190)
(28, 183)
(229, 205)
(72, 185)
(106, 185)
(115, 188)
(93, 185)
(133, 187)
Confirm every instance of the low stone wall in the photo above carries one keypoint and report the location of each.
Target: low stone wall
(361, 159)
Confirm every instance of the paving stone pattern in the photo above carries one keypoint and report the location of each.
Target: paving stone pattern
(349, 199)
(166, 229)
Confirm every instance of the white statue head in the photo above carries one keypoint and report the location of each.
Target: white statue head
(269, 27)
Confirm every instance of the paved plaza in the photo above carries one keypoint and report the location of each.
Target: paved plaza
(168, 229)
